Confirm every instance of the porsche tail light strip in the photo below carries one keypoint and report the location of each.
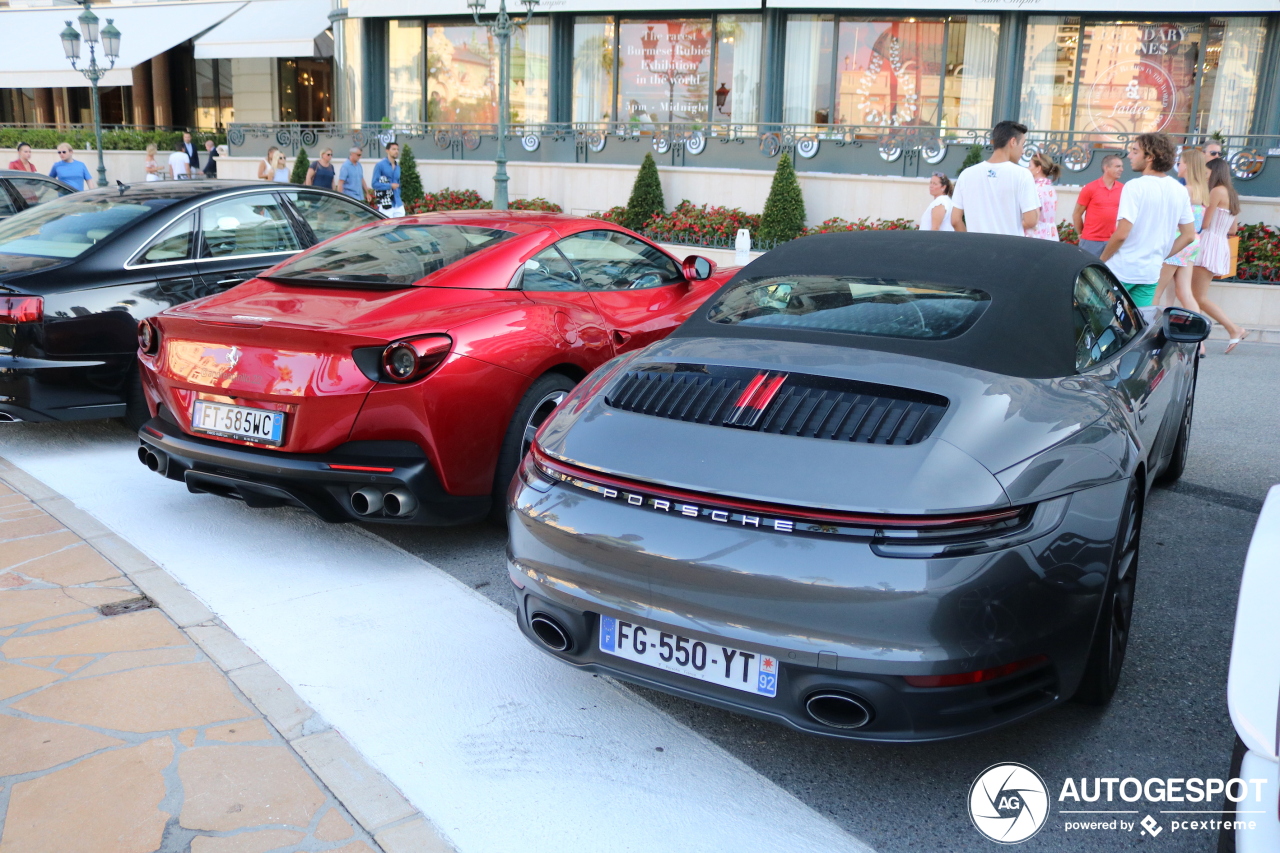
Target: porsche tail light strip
(21, 309)
(645, 491)
(369, 469)
(961, 679)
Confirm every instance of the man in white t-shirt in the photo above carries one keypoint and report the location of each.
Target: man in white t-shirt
(998, 196)
(1154, 220)
(179, 163)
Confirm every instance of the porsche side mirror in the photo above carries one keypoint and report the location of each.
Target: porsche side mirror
(1185, 327)
(698, 268)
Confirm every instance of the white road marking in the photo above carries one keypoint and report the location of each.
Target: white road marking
(502, 747)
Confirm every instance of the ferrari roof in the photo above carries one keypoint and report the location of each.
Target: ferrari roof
(1026, 331)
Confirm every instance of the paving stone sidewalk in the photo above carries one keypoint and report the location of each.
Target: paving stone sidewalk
(126, 730)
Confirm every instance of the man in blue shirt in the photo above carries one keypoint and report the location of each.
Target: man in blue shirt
(350, 180)
(69, 170)
(386, 182)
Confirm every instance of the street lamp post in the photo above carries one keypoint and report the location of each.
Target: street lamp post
(502, 27)
(110, 37)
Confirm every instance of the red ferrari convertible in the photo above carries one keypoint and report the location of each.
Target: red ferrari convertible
(399, 371)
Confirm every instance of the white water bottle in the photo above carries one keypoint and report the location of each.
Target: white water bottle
(742, 248)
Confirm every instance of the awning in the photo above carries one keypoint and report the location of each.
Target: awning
(33, 55)
(267, 29)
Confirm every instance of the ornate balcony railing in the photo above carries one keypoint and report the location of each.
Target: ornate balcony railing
(850, 149)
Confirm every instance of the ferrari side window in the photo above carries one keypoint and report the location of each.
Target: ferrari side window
(548, 270)
(611, 260)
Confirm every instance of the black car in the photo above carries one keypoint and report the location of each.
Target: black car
(21, 190)
(78, 273)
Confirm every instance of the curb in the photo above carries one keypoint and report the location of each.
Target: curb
(367, 795)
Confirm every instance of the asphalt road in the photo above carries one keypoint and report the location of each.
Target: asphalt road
(1169, 718)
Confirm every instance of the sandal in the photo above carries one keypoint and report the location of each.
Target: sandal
(1234, 342)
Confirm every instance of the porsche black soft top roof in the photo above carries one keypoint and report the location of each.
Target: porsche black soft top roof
(1027, 330)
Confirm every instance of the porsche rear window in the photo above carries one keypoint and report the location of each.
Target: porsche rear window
(389, 255)
(851, 304)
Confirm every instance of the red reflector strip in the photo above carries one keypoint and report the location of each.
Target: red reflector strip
(754, 399)
(157, 433)
(369, 469)
(21, 309)
(566, 469)
(962, 678)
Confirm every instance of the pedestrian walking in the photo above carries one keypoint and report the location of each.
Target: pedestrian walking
(210, 159)
(1153, 208)
(320, 173)
(1096, 206)
(350, 180)
(1044, 172)
(1213, 150)
(267, 168)
(193, 153)
(1175, 274)
(280, 170)
(386, 182)
(937, 216)
(179, 163)
(23, 163)
(69, 170)
(1220, 223)
(155, 171)
(997, 196)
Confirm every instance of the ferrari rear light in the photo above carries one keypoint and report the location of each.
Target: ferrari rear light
(21, 309)
(410, 360)
(148, 337)
(961, 679)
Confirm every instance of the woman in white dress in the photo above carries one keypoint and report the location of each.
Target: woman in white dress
(155, 172)
(267, 168)
(937, 216)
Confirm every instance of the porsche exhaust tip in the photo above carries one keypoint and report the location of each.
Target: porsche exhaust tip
(367, 501)
(399, 503)
(154, 461)
(552, 634)
(838, 710)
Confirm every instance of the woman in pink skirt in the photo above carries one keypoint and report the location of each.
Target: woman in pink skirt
(1045, 171)
(1215, 252)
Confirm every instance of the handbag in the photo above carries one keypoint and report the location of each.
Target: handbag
(385, 198)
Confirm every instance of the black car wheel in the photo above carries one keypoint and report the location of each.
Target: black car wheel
(536, 406)
(1111, 637)
(136, 412)
(1178, 461)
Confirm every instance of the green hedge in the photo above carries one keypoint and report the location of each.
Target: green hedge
(112, 140)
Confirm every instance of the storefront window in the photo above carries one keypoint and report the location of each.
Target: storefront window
(663, 71)
(351, 71)
(806, 79)
(972, 44)
(462, 73)
(530, 71)
(1232, 62)
(890, 72)
(593, 51)
(1049, 72)
(404, 65)
(1137, 77)
(737, 77)
(214, 106)
(305, 87)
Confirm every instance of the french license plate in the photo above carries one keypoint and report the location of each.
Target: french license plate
(238, 422)
(711, 662)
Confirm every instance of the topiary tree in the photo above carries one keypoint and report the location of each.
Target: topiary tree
(410, 180)
(646, 196)
(783, 217)
(973, 158)
(300, 167)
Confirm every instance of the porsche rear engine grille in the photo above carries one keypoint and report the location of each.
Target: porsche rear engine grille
(779, 402)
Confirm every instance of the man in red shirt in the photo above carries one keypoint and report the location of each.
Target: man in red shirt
(1100, 200)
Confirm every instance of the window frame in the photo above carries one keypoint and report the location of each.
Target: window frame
(193, 249)
(1122, 299)
(285, 207)
(680, 277)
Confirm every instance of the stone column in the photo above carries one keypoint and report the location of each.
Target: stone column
(161, 100)
(44, 106)
(142, 115)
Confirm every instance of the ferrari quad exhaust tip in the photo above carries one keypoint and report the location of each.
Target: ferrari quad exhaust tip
(367, 501)
(399, 503)
(838, 710)
(552, 634)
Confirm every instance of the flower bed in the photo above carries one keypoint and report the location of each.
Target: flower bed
(448, 199)
(837, 224)
(1259, 254)
(689, 223)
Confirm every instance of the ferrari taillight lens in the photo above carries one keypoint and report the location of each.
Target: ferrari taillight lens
(148, 337)
(407, 361)
(21, 309)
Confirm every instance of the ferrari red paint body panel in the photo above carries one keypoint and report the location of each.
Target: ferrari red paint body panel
(291, 347)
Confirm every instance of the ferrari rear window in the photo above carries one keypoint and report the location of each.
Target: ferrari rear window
(389, 255)
(851, 304)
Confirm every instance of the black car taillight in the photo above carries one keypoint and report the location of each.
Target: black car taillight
(21, 309)
(148, 337)
(410, 360)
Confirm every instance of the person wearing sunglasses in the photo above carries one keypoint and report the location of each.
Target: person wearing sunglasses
(1213, 151)
(69, 170)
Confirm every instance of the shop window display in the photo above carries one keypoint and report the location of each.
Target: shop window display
(663, 71)
(462, 73)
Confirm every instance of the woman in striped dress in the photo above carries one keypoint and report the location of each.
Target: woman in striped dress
(1215, 253)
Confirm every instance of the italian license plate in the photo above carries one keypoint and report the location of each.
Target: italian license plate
(710, 662)
(238, 422)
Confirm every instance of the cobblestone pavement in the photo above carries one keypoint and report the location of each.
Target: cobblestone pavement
(120, 734)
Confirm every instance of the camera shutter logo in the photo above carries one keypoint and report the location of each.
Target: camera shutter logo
(1008, 803)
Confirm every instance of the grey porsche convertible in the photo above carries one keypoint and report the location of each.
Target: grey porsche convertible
(882, 485)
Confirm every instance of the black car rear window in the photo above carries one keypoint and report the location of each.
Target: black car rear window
(390, 254)
(851, 304)
(68, 227)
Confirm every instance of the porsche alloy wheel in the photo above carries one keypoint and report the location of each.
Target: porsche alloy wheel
(1111, 637)
(534, 409)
